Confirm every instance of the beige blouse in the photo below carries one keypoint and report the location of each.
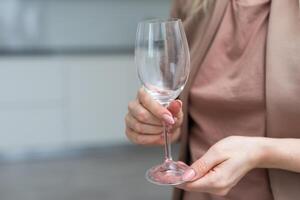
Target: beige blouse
(228, 93)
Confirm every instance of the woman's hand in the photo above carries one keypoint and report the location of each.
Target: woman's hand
(145, 117)
(223, 165)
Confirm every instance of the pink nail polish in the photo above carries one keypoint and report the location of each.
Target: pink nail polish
(188, 175)
(168, 119)
(179, 102)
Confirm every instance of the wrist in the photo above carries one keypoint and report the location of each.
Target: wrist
(276, 153)
(267, 153)
(263, 152)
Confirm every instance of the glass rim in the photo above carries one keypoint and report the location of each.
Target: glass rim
(160, 20)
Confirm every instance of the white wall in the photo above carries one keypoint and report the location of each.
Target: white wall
(67, 101)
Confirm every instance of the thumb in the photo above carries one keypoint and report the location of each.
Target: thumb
(175, 107)
(203, 165)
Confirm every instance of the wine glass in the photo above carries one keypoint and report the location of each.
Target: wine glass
(163, 65)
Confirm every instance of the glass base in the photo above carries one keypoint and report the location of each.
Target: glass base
(168, 173)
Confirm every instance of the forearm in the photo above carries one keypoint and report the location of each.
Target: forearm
(280, 153)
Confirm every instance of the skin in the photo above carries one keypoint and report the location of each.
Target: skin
(144, 120)
(225, 163)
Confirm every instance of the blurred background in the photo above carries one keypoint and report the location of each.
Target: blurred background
(67, 74)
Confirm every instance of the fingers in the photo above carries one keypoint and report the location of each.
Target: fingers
(142, 114)
(142, 128)
(202, 166)
(149, 139)
(145, 118)
(141, 139)
(218, 181)
(200, 185)
(154, 107)
(175, 108)
(220, 168)
(209, 174)
(212, 182)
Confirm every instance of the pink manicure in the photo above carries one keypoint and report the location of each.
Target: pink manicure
(188, 175)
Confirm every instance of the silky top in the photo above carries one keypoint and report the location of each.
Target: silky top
(227, 96)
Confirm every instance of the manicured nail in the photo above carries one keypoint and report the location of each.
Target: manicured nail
(168, 119)
(178, 101)
(188, 175)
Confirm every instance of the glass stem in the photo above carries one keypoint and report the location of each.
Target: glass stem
(167, 147)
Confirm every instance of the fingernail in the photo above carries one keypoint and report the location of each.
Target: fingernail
(188, 175)
(179, 102)
(168, 119)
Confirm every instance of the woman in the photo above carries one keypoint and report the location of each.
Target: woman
(240, 128)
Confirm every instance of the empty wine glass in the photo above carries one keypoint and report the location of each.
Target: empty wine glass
(163, 64)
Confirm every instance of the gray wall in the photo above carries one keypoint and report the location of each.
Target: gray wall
(75, 23)
(55, 102)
